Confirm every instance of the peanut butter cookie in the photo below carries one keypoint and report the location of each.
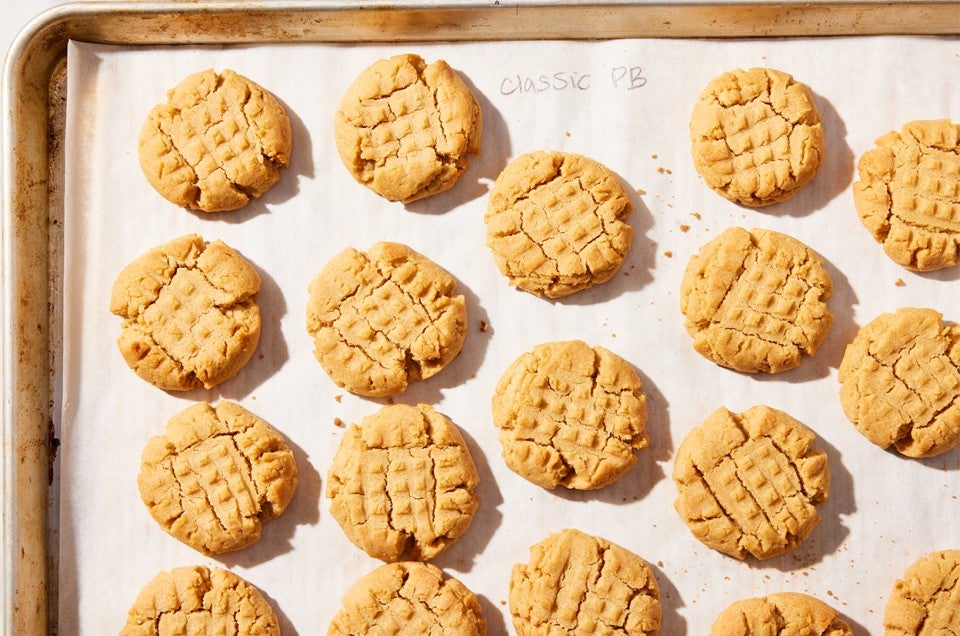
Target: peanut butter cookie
(405, 128)
(757, 136)
(556, 223)
(218, 142)
(756, 301)
(783, 614)
(749, 483)
(927, 599)
(190, 317)
(215, 476)
(908, 195)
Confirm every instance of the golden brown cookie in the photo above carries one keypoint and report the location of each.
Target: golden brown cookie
(556, 223)
(408, 599)
(190, 317)
(580, 584)
(756, 301)
(570, 415)
(215, 476)
(383, 318)
(402, 484)
(900, 382)
(908, 195)
(927, 599)
(757, 136)
(198, 600)
(749, 483)
(218, 142)
(405, 128)
(784, 614)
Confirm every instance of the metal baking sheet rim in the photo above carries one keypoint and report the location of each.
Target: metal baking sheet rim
(32, 237)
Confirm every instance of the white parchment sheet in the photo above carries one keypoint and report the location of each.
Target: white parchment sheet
(624, 103)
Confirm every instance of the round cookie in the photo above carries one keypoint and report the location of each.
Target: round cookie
(927, 599)
(576, 583)
(749, 483)
(198, 600)
(900, 382)
(570, 415)
(402, 483)
(408, 598)
(908, 195)
(190, 317)
(384, 318)
(218, 142)
(556, 223)
(405, 128)
(215, 476)
(757, 136)
(756, 300)
(781, 614)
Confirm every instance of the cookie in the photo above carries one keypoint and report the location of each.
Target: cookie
(900, 382)
(756, 301)
(580, 584)
(556, 223)
(927, 599)
(403, 483)
(198, 600)
(217, 143)
(781, 614)
(908, 195)
(406, 129)
(757, 136)
(190, 317)
(408, 598)
(215, 476)
(570, 415)
(384, 318)
(749, 483)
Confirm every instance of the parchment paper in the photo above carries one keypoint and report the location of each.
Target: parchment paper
(624, 103)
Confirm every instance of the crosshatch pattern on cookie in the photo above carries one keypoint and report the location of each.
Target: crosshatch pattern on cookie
(757, 136)
(749, 484)
(200, 600)
(908, 195)
(570, 415)
(782, 614)
(756, 300)
(556, 223)
(575, 583)
(900, 382)
(219, 141)
(402, 484)
(215, 476)
(190, 317)
(384, 318)
(927, 599)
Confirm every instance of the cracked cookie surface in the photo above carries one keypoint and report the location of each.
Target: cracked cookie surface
(757, 136)
(570, 415)
(198, 600)
(408, 599)
(556, 223)
(783, 614)
(383, 318)
(908, 195)
(576, 583)
(218, 142)
(402, 483)
(749, 483)
(215, 476)
(190, 317)
(900, 382)
(405, 128)
(756, 301)
(927, 599)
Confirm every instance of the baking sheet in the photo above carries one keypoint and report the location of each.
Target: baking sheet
(624, 103)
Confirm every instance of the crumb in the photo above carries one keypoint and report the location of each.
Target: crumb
(390, 400)
(260, 357)
(641, 191)
(338, 398)
(483, 326)
(696, 215)
(660, 170)
(502, 602)
(567, 133)
(668, 254)
(684, 227)
(338, 422)
(653, 156)
(626, 273)
(900, 283)
(659, 564)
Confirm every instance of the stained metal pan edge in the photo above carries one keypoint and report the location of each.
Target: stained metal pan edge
(32, 174)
